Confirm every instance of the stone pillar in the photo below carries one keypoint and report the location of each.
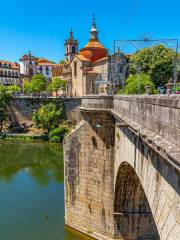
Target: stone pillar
(89, 170)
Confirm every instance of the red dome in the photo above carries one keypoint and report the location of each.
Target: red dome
(94, 50)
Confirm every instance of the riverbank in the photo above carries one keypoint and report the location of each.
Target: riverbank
(23, 137)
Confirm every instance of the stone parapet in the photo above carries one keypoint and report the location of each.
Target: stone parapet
(158, 113)
(97, 102)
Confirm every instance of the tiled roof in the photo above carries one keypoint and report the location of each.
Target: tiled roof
(101, 59)
(82, 58)
(13, 64)
(94, 44)
(46, 64)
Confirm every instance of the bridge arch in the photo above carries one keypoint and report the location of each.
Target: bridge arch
(132, 213)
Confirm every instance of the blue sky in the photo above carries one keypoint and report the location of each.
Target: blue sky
(42, 26)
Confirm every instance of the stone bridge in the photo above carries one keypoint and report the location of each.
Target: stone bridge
(122, 166)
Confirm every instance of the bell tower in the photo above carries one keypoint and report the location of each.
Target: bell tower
(71, 47)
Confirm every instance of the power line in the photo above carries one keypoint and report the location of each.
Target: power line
(131, 11)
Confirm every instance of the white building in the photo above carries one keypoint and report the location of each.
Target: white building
(9, 73)
(30, 65)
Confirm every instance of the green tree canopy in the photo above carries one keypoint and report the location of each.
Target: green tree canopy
(136, 84)
(5, 98)
(13, 88)
(62, 61)
(38, 83)
(27, 87)
(156, 61)
(48, 116)
(57, 84)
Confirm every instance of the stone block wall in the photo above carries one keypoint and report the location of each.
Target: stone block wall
(160, 182)
(159, 113)
(122, 168)
(21, 109)
(89, 170)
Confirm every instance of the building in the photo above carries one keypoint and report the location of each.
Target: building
(86, 66)
(87, 69)
(31, 65)
(9, 73)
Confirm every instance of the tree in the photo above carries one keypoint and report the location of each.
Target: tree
(156, 61)
(13, 88)
(56, 85)
(136, 84)
(27, 87)
(47, 117)
(5, 98)
(62, 61)
(38, 83)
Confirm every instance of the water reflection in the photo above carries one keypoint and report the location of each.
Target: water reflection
(43, 162)
(32, 192)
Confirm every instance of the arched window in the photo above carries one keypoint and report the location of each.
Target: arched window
(1, 73)
(9, 74)
(5, 73)
(16, 74)
(5, 65)
(9, 65)
(12, 73)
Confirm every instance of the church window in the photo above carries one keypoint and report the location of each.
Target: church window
(75, 69)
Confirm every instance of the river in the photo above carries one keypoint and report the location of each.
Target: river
(32, 192)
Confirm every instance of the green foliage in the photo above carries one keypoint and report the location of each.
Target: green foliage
(58, 134)
(5, 98)
(136, 84)
(178, 88)
(57, 84)
(156, 61)
(27, 87)
(48, 116)
(38, 83)
(13, 88)
(62, 61)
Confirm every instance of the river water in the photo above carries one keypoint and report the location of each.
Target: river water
(32, 192)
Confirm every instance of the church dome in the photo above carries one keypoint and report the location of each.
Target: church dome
(94, 50)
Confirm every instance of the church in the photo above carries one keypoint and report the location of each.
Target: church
(83, 70)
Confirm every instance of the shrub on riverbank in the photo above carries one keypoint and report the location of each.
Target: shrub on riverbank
(48, 117)
(58, 134)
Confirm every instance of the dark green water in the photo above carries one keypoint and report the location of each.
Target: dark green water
(32, 192)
